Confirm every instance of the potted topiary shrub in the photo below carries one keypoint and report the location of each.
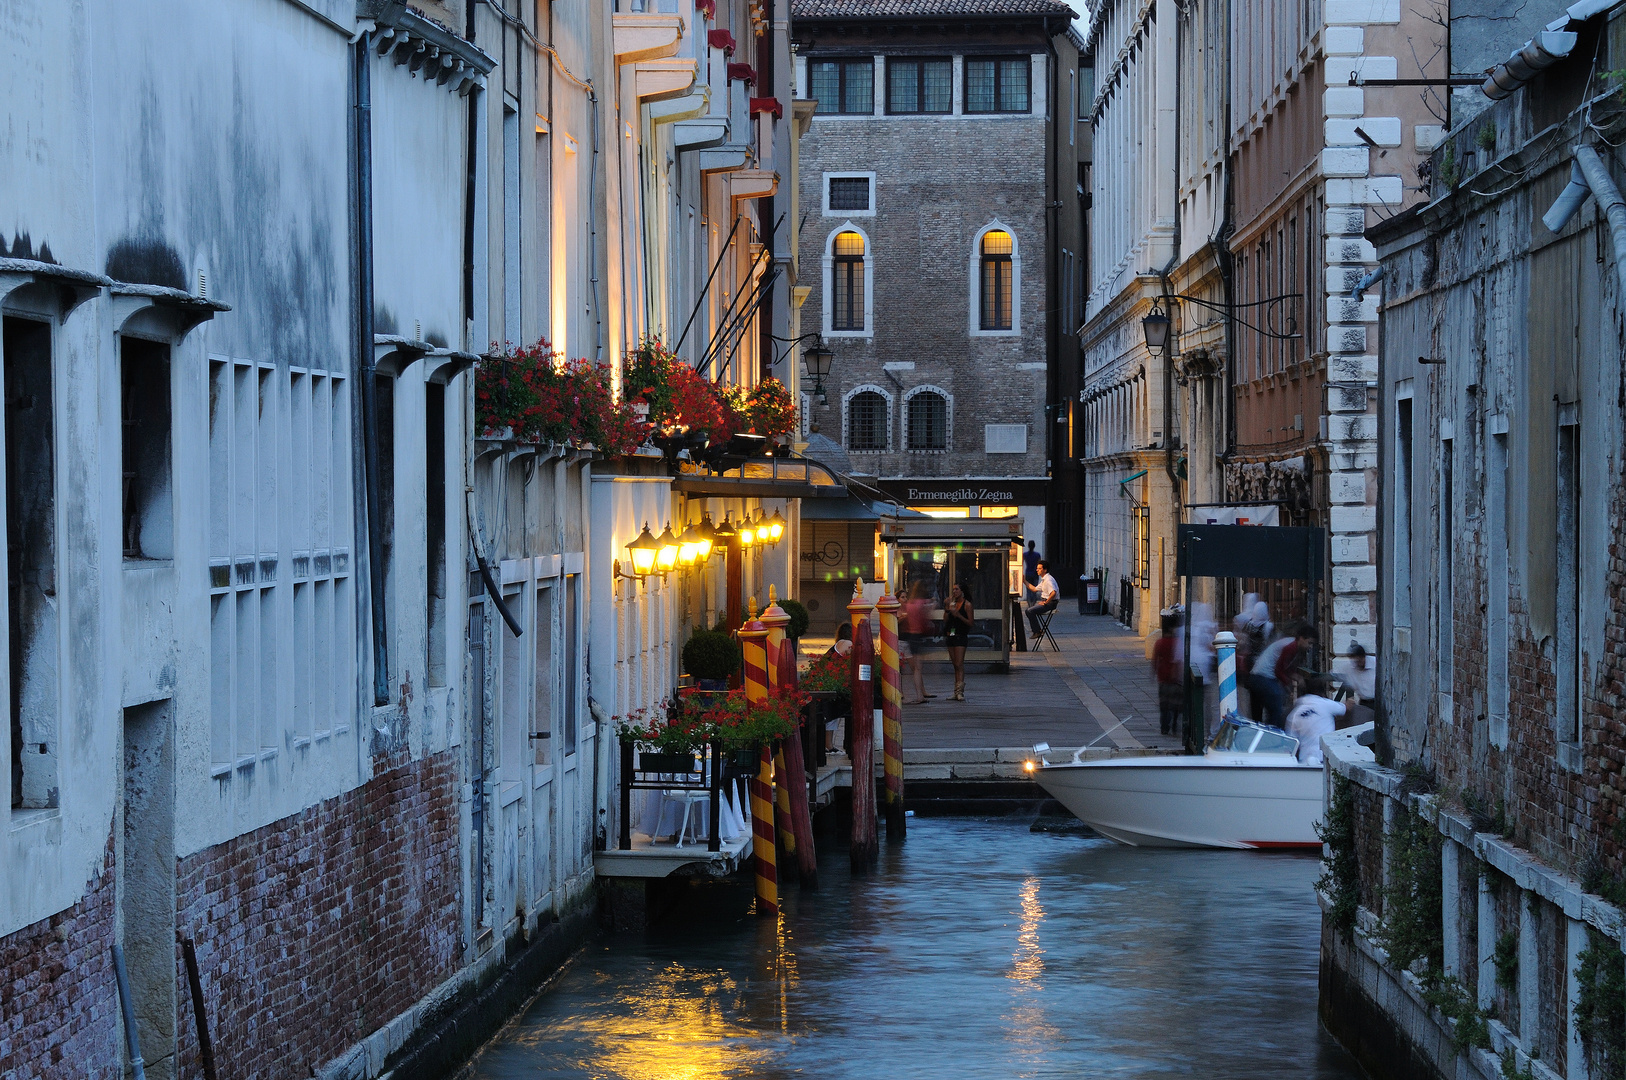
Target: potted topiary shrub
(711, 656)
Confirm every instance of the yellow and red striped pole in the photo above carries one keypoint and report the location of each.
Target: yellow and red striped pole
(891, 715)
(864, 850)
(775, 618)
(754, 644)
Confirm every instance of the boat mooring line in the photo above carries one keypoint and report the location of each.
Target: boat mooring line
(1111, 726)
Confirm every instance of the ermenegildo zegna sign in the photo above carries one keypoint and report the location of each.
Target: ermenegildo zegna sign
(967, 492)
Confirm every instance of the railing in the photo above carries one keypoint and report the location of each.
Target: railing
(702, 770)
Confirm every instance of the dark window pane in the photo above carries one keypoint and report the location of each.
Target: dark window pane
(849, 193)
(827, 85)
(979, 86)
(928, 422)
(866, 422)
(902, 86)
(938, 86)
(858, 86)
(1013, 85)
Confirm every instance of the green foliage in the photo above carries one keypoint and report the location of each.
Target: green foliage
(1448, 166)
(1413, 920)
(1511, 1071)
(1486, 818)
(1485, 137)
(1341, 873)
(711, 654)
(798, 617)
(1600, 1009)
(1507, 960)
(1446, 993)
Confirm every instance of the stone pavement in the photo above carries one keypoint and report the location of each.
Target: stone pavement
(1099, 689)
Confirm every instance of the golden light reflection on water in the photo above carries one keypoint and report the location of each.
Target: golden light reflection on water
(1028, 1027)
(676, 1026)
(1027, 964)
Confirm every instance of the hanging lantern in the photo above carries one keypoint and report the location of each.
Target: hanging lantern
(666, 553)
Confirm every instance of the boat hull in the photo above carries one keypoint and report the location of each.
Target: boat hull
(1192, 801)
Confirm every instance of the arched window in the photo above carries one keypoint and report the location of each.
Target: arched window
(847, 283)
(866, 421)
(928, 421)
(996, 280)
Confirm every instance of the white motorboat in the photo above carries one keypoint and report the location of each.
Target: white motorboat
(1246, 790)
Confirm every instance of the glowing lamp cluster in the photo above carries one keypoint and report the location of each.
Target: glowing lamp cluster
(650, 554)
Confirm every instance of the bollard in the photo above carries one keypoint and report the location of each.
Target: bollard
(754, 644)
(865, 849)
(1225, 647)
(795, 775)
(891, 716)
(781, 806)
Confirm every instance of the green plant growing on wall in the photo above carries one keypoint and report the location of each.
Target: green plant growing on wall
(1600, 1008)
(1413, 921)
(1485, 137)
(1447, 994)
(1507, 959)
(1341, 872)
(1511, 1070)
(1448, 166)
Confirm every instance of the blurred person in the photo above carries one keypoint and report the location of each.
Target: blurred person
(914, 628)
(1357, 673)
(1315, 715)
(958, 615)
(1167, 668)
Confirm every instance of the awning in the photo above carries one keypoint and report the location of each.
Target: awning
(763, 478)
(851, 508)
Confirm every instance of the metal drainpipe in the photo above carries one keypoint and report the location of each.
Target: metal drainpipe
(1611, 203)
(127, 1005)
(364, 360)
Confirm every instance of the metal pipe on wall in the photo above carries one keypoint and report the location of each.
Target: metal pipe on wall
(362, 78)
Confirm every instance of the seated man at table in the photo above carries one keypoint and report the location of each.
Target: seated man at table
(1048, 596)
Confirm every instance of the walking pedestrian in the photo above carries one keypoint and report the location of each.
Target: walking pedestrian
(1166, 668)
(917, 626)
(957, 619)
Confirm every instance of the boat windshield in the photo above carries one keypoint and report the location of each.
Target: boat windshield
(1236, 736)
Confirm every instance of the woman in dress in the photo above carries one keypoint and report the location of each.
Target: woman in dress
(957, 618)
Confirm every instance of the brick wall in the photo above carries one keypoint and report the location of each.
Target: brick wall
(314, 931)
(938, 182)
(59, 1002)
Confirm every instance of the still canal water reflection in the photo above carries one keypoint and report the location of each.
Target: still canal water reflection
(979, 949)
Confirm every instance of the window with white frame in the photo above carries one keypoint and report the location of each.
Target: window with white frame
(282, 619)
(996, 281)
(848, 287)
(849, 194)
(927, 420)
(868, 413)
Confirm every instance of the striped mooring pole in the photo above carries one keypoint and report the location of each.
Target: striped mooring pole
(793, 777)
(1225, 646)
(864, 849)
(775, 618)
(891, 716)
(754, 644)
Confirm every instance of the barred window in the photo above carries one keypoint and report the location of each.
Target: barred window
(849, 193)
(996, 280)
(997, 86)
(866, 421)
(928, 421)
(919, 86)
(847, 283)
(843, 86)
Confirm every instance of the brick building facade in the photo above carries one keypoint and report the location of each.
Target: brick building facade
(1500, 465)
(933, 269)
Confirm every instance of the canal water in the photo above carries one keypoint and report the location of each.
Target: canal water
(978, 949)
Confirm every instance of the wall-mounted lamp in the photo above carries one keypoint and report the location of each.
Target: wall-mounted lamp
(687, 547)
(776, 527)
(643, 551)
(707, 539)
(724, 533)
(1156, 327)
(747, 532)
(666, 553)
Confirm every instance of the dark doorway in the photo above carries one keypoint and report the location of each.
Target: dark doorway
(147, 880)
(144, 404)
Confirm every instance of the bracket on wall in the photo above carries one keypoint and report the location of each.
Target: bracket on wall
(49, 285)
(159, 311)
